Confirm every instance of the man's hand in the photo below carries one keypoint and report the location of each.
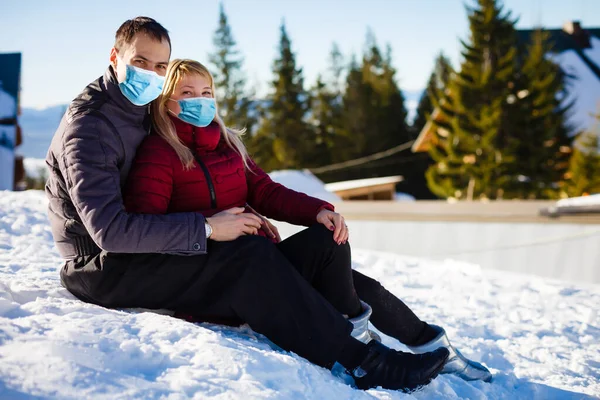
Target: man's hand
(230, 224)
(334, 222)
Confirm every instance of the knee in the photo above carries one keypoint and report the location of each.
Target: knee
(322, 237)
(320, 232)
(320, 241)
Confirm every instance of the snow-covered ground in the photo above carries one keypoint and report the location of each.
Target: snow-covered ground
(541, 338)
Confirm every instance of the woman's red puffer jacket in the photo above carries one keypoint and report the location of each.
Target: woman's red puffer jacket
(159, 184)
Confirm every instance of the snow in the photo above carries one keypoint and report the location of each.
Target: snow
(583, 204)
(592, 200)
(403, 197)
(360, 183)
(540, 337)
(305, 182)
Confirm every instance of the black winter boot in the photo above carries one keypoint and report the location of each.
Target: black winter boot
(396, 370)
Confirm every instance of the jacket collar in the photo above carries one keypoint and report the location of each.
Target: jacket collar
(201, 140)
(110, 85)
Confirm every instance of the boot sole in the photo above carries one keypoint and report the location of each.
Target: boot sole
(434, 375)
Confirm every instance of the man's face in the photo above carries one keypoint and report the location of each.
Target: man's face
(144, 52)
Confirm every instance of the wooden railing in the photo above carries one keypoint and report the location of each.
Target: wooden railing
(508, 211)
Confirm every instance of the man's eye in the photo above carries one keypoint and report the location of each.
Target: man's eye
(162, 67)
(141, 62)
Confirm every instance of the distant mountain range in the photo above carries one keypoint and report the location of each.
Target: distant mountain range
(39, 125)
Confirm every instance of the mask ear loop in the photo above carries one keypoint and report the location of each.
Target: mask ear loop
(169, 110)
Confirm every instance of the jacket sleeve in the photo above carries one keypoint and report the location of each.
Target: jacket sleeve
(274, 200)
(89, 163)
(150, 180)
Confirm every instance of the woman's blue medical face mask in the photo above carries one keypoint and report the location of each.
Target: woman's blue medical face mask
(141, 86)
(198, 111)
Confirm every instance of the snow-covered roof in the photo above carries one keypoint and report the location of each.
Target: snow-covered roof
(593, 200)
(361, 183)
(305, 182)
(574, 205)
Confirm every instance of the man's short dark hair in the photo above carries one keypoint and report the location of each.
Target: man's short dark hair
(146, 25)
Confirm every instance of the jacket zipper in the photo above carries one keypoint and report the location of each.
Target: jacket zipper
(209, 182)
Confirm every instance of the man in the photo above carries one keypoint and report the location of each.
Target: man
(117, 259)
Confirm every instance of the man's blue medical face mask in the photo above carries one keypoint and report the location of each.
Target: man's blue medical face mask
(198, 111)
(141, 86)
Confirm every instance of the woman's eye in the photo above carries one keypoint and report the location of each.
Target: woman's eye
(207, 94)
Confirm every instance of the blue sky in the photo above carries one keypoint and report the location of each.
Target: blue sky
(66, 43)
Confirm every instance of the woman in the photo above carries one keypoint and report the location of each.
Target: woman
(195, 163)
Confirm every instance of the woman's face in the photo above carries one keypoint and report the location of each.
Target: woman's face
(192, 85)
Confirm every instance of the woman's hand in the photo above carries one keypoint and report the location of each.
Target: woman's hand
(334, 222)
(270, 230)
(267, 227)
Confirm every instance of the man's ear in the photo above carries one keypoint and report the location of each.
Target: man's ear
(113, 57)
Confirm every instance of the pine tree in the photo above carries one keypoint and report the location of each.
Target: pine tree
(356, 108)
(583, 176)
(471, 132)
(235, 105)
(327, 112)
(373, 112)
(540, 142)
(415, 182)
(336, 69)
(284, 138)
(325, 118)
(425, 107)
(388, 126)
(438, 80)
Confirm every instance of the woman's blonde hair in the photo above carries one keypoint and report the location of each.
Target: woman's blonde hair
(163, 125)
